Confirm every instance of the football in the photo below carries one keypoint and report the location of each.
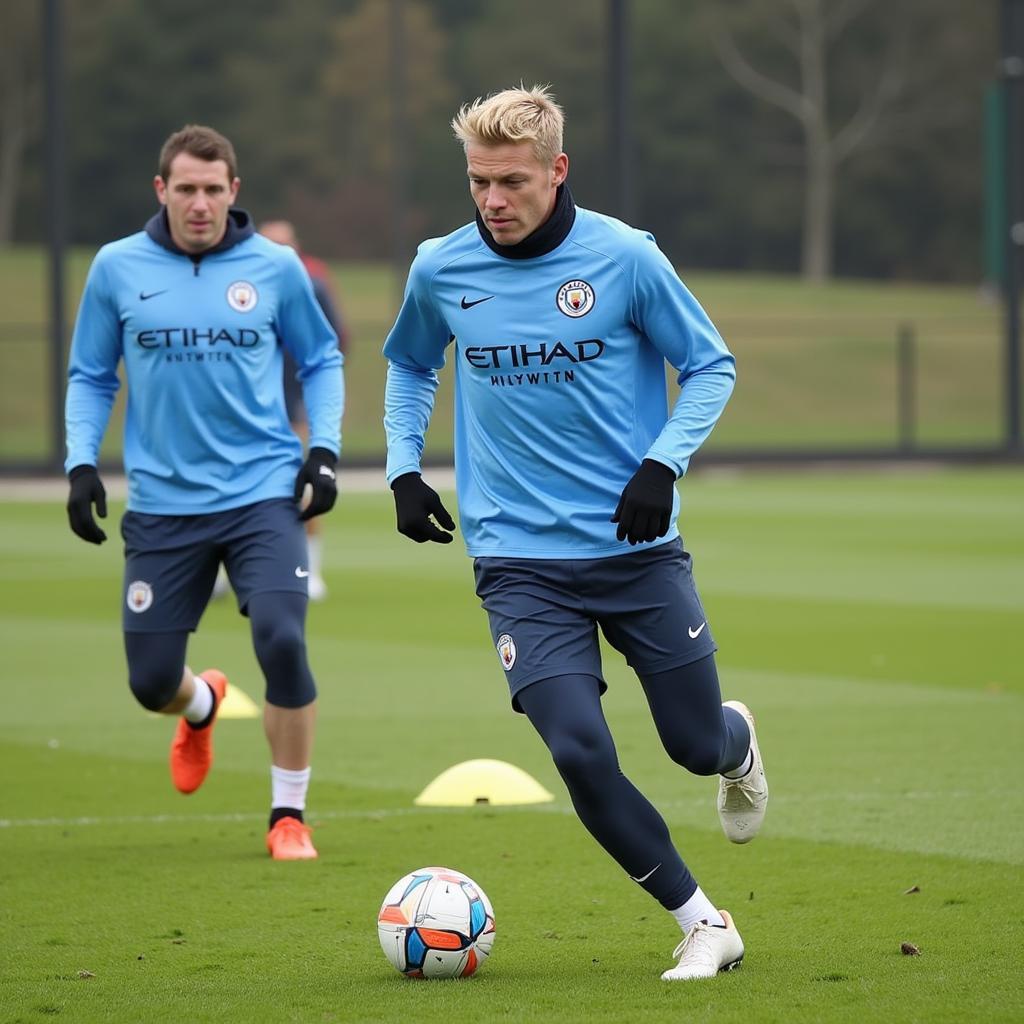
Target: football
(436, 923)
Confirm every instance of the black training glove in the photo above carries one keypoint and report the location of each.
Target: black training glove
(86, 491)
(415, 503)
(318, 472)
(645, 507)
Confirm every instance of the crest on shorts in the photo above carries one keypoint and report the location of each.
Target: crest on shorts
(139, 597)
(575, 298)
(242, 296)
(506, 651)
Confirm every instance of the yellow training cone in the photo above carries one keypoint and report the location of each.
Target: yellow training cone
(237, 704)
(482, 781)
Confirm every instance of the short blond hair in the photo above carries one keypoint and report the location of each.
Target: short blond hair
(511, 116)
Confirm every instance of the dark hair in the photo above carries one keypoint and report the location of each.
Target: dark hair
(199, 141)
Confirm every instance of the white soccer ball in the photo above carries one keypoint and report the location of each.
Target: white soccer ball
(436, 923)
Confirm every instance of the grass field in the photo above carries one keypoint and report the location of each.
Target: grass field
(817, 366)
(872, 621)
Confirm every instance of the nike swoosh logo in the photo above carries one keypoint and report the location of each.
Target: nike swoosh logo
(300, 572)
(694, 633)
(475, 302)
(648, 875)
(143, 296)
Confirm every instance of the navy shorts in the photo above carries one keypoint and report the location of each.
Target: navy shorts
(545, 613)
(171, 562)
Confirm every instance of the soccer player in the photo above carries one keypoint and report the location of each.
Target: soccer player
(566, 458)
(198, 307)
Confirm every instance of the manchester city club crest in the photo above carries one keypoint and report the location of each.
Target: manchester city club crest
(506, 651)
(139, 596)
(242, 296)
(575, 298)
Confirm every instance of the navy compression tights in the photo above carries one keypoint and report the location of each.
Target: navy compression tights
(697, 733)
(156, 660)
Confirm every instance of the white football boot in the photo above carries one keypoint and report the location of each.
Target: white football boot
(742, 802)
(706, 950)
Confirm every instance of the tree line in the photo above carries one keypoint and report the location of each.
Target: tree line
(822, 136)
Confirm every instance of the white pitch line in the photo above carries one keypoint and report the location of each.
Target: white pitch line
(184, 819)
(397, 812)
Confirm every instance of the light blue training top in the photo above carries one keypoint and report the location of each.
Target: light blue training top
(205, 426)
(560, 388)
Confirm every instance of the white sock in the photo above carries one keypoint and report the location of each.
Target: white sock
(738, 773)
(697, 908)
(201, 704)
(315, 545)
(288, 787)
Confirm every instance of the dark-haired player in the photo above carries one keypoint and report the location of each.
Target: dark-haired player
(198, 306)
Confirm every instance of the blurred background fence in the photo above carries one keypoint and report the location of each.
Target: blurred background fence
(833, 179)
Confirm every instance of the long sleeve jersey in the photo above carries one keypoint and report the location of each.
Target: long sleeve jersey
(560, 388)
(200, 336)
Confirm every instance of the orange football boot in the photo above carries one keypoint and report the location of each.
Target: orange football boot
(290, 839)
(192, 749)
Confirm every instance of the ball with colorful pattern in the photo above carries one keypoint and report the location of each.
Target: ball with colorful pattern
(436, 923)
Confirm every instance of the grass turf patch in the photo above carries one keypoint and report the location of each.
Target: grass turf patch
(869, 620)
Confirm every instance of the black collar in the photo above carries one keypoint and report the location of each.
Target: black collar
(239, 228)
(548, 237)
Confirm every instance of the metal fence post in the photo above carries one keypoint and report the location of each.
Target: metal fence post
(906, 377)
(56, 191)
(400, 147)
(1012, 69)
(620, 156)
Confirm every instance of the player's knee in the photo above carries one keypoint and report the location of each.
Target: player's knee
(281, 650)
(154, 687)
(582, 765)
(278, 642)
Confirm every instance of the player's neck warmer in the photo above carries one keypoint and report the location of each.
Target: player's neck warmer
(548, 237)
(239, 228)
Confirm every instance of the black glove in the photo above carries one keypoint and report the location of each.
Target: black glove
(86, 491)
(318, 472)
(415, 503)
(645, 507)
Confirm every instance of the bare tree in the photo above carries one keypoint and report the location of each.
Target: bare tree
(809, 31)
(20, 98)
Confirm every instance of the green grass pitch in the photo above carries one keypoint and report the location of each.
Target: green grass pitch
(873, 621)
